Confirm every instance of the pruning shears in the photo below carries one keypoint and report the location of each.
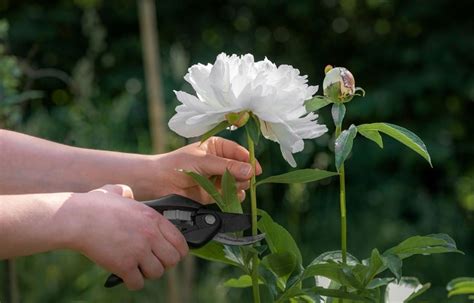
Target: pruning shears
(199, 224)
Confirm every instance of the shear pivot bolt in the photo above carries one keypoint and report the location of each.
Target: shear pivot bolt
(210, 219)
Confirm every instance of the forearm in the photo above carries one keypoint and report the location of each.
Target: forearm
(32, 165)
(32, 224)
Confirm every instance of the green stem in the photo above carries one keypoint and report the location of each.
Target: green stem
(342, 203)
(253, 204)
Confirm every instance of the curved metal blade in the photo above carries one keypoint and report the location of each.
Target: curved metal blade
(238, 241)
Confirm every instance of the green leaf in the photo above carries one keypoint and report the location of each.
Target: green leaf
(374, 266)
(334, 255)
(229, 194)
(242, 282)
(208, 186)
(337, 272)
(271, 281)
(394, 264)
(400, 134)
(282, 264)
(424, 245)
(338, 111)
(299, 176)
(253, 129)
(334, 293)
(216, 252)
(279, 240)
(316, 103)
(343, 145)
(215, 130)
(379, 282)
(460, 286)
(372, 135)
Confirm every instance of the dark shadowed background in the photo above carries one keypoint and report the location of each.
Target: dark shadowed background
(72, 72)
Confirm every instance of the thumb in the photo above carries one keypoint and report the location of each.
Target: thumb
(118, 189)
(213, 165)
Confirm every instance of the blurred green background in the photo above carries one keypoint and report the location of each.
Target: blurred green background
(72, 72)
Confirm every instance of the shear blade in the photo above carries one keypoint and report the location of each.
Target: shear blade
(238, 241)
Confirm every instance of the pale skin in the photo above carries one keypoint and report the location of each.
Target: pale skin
(52, 196)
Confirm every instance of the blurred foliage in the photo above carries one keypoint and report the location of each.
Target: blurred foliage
(414, 59)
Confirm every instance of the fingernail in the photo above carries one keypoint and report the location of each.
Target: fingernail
(242, 195)
(245, 169)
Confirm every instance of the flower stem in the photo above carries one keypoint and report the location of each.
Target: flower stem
(253, 204)
(342, 203)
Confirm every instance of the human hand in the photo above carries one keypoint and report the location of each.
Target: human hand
(211, 158)
(123, 236)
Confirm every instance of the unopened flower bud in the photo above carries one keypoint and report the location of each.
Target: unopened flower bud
(339, 84)
(237, 119)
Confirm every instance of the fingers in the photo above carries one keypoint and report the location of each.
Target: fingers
(216, 166)
(119, 189)
(151, 266)
(133, 279)
(243, 185)
(229, 149)
(174, 237)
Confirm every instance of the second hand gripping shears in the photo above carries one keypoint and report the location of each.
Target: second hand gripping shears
(200, 224)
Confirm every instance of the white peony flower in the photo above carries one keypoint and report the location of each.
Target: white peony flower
(234, 85)
(401, 291)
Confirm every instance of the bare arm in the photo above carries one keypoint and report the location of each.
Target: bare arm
(32, 165)
(106, 225)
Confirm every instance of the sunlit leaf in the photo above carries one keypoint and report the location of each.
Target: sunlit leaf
(299, 176)
(425, 245)
(343, 145)
(208, 186)
(372, 135)
(216, 252)
(461, 286)
(241, 282)
(400, 134)
(229, 194)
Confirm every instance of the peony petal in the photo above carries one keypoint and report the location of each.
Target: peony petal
(192, 102)
(288, 156)
(178, 124)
